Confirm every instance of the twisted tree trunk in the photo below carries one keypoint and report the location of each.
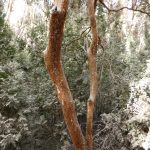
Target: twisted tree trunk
(53, 63)
(52, 57)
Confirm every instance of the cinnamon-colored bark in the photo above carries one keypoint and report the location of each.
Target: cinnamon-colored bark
(52, 60)
(52, 57)
(93, 73)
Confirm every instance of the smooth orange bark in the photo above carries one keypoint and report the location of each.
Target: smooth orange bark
(53, 63)
(52, 57)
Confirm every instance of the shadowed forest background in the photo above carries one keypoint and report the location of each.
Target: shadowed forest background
(30, 115)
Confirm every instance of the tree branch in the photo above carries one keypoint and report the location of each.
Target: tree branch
(122, 8)
(78, 38)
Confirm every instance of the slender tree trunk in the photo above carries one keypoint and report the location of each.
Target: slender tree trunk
(9, 9)
(52, 60)
(91, 52)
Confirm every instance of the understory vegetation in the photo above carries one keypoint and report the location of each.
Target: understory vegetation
(30, 115)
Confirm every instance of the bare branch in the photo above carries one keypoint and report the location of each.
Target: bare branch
(122, 8)
(78, 38)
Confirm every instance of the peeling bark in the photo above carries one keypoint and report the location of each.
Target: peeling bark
(52, 57)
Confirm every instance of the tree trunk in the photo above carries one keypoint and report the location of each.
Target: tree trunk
(53, 63)
(9, 9)
(91, 52)
(52, 60)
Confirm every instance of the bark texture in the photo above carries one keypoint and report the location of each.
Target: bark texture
(52, 57)
(91, 52)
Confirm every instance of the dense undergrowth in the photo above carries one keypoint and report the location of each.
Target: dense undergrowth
(30, 116)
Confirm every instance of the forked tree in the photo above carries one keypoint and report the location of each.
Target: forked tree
(52, 57)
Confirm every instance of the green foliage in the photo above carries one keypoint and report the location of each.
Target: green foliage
(75, 61)
(29, 108)
(6, 41)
